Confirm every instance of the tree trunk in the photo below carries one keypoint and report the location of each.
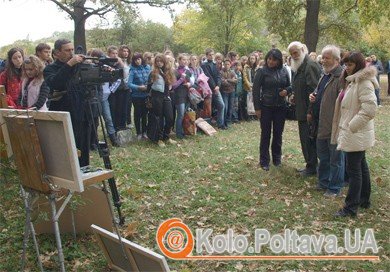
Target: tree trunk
(311, 24)
(79, 19)
(79, 34)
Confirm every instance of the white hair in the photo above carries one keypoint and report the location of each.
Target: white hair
(334, 50)
(295, 44)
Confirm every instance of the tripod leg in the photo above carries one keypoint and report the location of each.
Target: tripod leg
(114, 222)
(52, 200)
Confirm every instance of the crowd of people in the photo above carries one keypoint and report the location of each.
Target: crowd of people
(334, 97)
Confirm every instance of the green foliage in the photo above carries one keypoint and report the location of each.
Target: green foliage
(153, 37)
(224, 25)
(340, 22)
(27, 46)
(376, 36)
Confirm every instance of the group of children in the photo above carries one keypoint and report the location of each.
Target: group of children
(157, 85)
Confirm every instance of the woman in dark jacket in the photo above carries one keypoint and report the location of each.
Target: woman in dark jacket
(138, 80)
(270, 88)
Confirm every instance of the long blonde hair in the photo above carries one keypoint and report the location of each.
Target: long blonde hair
(37, 63)
(168, 76)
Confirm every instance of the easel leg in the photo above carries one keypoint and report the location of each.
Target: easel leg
(52, 200)
(29, 228)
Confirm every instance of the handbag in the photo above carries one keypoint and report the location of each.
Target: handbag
(249, 104)
(189, 125)
(194, 96)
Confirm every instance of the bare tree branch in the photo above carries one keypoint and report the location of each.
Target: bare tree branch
(63, 7)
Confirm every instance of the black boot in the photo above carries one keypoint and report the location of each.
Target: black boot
(114, 140)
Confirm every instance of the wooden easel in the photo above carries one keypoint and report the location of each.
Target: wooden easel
(29, 159)
(3, 104)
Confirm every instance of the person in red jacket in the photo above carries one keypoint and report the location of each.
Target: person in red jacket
(11, 77)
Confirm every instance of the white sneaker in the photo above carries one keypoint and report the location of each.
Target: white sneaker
(170, 141)
(161, 143)
(145, 136)
(139, 137)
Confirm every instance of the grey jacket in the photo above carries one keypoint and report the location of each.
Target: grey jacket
(304, 82)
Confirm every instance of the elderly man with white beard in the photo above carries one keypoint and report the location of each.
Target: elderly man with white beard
(304, 82)
(331, 166)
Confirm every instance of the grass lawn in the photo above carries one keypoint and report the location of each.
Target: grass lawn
(214, 182)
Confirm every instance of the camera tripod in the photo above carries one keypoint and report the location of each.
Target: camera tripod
(103, 150)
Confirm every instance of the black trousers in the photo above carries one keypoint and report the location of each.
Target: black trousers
(82, 133)
(140, 114)
(359, 189)
(308, 146)
(242, 107)
(162, 108)
(129, 105)
(118, 105)
(272, 119)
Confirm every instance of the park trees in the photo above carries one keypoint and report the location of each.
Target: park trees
(313, 20)
(80, 10)
(224, 25)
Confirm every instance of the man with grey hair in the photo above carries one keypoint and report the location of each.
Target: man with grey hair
(305, 79)
(331, 166)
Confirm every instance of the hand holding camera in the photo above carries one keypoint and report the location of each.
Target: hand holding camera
(76, 59)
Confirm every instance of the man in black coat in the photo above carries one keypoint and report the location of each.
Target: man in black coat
(69, 95)
(210, 69)
(304, 81)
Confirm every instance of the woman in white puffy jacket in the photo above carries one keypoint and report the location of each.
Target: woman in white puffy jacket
(353, 129)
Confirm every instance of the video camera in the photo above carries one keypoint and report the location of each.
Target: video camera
(95, 71)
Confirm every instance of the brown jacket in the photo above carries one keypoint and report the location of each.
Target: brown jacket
(228, 81)
(328, 101)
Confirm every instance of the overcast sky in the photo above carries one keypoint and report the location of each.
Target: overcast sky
(35, 19)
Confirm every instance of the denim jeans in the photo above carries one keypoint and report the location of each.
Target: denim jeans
(180, 110)
(235, 107)
(106, 113)
(228, 99)
(218, 102)
(377, 94)
(331, 167)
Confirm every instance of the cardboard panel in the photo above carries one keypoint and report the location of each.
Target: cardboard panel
(91, 208)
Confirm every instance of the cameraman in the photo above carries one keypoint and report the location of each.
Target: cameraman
(69, 95)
